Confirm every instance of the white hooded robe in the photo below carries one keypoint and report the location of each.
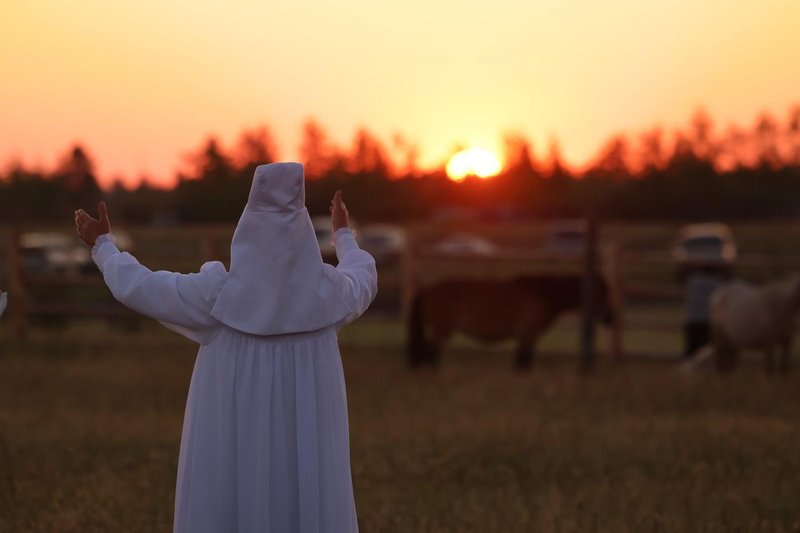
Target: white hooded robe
(265, 444)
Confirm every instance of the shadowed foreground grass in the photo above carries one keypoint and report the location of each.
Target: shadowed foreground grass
(90, 422)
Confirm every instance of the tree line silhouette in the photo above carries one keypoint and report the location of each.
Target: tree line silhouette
(694, 172)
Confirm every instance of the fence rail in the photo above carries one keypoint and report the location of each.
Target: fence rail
(26, 290)
(29, 293)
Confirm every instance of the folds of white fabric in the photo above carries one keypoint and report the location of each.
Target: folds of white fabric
(265, 443)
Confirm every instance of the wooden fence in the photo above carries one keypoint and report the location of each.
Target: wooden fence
(25, 290)
(419, 265)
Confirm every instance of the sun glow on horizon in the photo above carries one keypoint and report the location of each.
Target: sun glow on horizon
(478, 162)
(138, 83)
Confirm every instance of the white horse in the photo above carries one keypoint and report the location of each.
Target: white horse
(746, 316)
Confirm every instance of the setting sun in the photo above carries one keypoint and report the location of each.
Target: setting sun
(473, 162)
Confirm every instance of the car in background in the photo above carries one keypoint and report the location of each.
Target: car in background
(61, 253)
(385, 242)
(123, 240)
(324, 232)
(54, 253)
(565, 237)
(465, 244)
(705, 244)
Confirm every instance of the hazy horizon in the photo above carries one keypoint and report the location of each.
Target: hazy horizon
(141, 83)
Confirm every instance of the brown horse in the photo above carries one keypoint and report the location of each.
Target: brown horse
(491, 311)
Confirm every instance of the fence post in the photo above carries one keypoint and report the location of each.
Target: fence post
(613, 276)
(16, 287)
(407, 280)
(589, 297)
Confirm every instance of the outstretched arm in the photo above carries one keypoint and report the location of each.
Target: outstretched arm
(357, 276)
(357, 267)
(181, 302)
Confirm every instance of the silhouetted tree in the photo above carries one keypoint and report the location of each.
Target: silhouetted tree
(733, 149)
(766, 142)
(692, 173)
(793, 136)
(408, 154)
(213, 190)
(29, 196)
(701, 136)
(555, 167)
(254, 147)
(316, 152)
(210, 163)
(368, 156)
(75, 173)
(613, 161)
(651, 151)
(519, 157)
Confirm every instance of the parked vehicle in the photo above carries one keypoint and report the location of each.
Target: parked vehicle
(324, 232)
(466, 244)
(61, 253)
(385, 242)
(567, 237)
(54, 253)
(705, 243)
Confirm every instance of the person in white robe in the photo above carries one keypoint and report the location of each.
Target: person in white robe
(265, 444)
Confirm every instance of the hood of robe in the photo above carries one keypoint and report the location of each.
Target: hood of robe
(277, 282)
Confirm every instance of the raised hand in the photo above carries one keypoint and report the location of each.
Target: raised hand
(90, 228)
(340, 218)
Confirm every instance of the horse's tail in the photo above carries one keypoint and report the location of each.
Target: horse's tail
(416, 347)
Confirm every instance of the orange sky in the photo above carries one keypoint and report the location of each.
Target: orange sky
(142, 82)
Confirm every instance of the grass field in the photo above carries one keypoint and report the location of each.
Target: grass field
(90, 421)
(90, 416)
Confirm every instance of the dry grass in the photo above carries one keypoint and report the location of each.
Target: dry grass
(90, 421)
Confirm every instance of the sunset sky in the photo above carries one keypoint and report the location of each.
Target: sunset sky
(142, 82)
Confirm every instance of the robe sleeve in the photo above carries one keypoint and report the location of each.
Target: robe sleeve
(356, 276)
(182, 302)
